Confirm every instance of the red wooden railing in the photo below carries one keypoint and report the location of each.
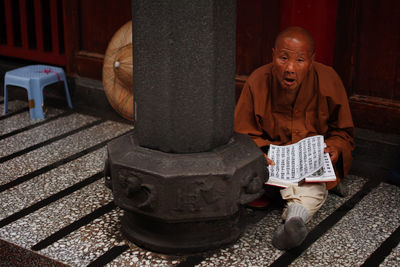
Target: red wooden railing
(33, 30)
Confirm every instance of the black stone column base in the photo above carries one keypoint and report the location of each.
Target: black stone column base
(177, 203)
(181, 237)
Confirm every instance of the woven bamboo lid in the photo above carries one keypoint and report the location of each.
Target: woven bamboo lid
(118, 72)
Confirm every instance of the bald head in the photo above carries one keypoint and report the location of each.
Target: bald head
(297, 33)
(292, 57)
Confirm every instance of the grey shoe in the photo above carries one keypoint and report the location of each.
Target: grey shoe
(291, 234)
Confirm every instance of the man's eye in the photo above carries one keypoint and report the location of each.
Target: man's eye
(300, 60)
(283, 58)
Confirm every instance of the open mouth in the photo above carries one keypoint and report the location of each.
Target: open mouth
(288, 81)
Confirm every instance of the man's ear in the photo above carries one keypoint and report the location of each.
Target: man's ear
(312, 59)
(273, 52)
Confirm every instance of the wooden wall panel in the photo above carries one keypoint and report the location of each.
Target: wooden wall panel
(345, 41)
(319, 18)
(257, 26)
(367, 57)
(379, 47)
(367, 47)
(102, 19)
(89, 26)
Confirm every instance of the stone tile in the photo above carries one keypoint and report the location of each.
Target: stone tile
(255, 247)
(94, 239)
(59, 150)
(348, 243)
(352, 184)
(36, 226)
(21, 120)
(359, 233)
(138, 257)
(393, 259)
(45, 185)
(84, 245)
(12, 255)
(42, 133)
(14, 105)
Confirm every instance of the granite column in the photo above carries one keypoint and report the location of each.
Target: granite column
(183, 175)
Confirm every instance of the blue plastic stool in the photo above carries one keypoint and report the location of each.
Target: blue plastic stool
(34, 78)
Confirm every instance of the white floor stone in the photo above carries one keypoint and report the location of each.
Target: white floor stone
(348, 243)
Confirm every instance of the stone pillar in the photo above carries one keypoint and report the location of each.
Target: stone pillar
(184, 54)
(183, 175)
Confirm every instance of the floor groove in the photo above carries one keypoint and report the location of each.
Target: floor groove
(49, 141)
(50, 199)
(72, 227)
(29, 127)
(13, 113)
(109, 256)
(54, 165)
(384, 250)
(289, 256)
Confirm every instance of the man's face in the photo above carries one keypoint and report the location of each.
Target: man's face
(292, 59)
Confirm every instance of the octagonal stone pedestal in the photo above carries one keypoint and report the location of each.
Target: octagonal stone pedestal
(181, 203)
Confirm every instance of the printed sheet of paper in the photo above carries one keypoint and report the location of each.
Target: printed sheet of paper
(325, 174)
(297, 161)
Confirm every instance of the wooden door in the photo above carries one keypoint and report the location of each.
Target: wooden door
(89, 27)
(367, 57)
(257, 25)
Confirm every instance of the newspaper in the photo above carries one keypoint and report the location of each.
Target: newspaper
(299, 162)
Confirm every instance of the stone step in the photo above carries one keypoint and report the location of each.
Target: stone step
(255, 246)
(54, 181)
(21, 121)
(45, 133)
(54, 204)
(359, 233)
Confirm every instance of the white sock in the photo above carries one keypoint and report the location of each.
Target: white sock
(294, 231)
(297, 210)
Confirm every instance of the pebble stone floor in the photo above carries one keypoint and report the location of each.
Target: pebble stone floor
(54, 206)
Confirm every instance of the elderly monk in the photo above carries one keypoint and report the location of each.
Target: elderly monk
(287, 100)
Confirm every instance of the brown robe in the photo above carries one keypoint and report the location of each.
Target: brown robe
(321, 107)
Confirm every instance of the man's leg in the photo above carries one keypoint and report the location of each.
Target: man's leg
(302, 203)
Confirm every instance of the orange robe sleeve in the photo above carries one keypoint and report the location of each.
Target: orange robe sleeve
(340, 124)
(245, 118)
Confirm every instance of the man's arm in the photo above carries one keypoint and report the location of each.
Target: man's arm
(340, 136)
(340, 144)
(246, 121)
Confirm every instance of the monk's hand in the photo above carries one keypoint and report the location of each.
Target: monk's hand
(269, 161)
(333, 153)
